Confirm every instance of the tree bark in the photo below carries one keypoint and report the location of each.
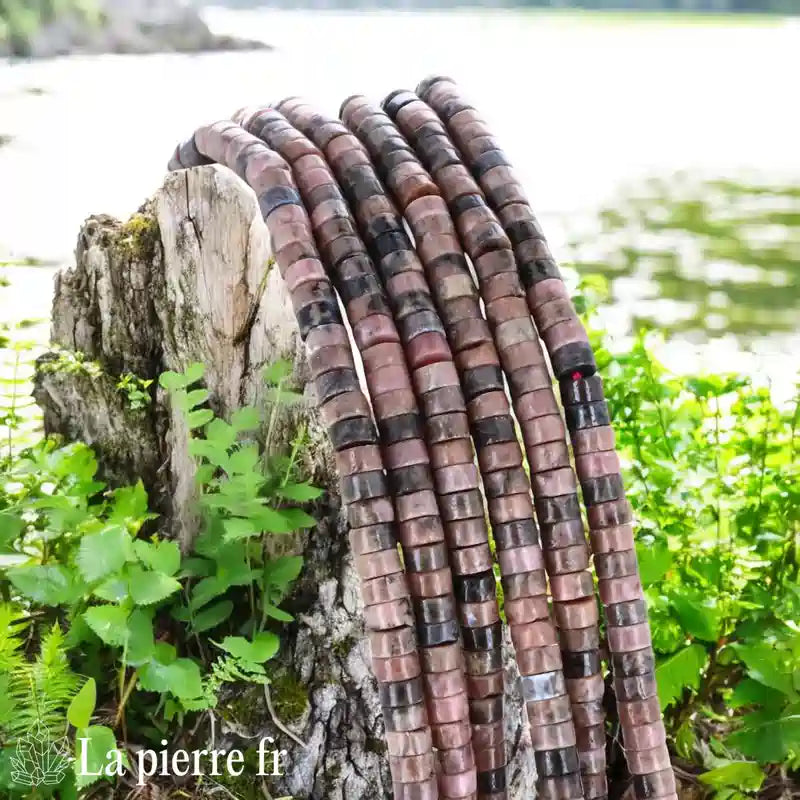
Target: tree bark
(190, 278)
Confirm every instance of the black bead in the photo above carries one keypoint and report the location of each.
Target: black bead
(492, 781)
(438, 634)
(638, 687)
(482, 662)
(582, 391)
(639, 662)
(382, 224)
(494, 430)
(389, 242)
(489, 637)
(427, 558)
(418, 323)
(466, 202)
(399, 428)
(554, 763)
(580, 665)
(396, 100)
(573, 358)
(602, 489)
(506, 481)
(486, 161)
(588, 415)
(401, 694)
(539, 269)
(629, 612)
(517, 533)
(352, 432)
(615, 565)
(412, 303)
(557, 509)
(479, 380)
(435, 610)
(323, 312)
(356, 287)
(478, 588)
(524, 229)
(415, 478)
(336, 382)
(363, 486)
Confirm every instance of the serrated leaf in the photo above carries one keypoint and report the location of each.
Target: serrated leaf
(243, 461)
(238, 528)
(300, 492)
(298, 519)
(148, 587)
(278, 371)
(744, 775)
(92, 745)
(263, 647)
(81, 708)
(48, 584)
(180, 677)
(700, 617)
(767, 741)
(140, 644)
(212, 616)
(108, 622)
(113, 589)
(163, 556)
(221, 434)
(102, 553)
(678, 672)
(129, 504)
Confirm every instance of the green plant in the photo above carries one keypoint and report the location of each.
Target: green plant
(712, 474)
(136, 390)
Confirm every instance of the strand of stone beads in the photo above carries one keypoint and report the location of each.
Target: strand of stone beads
(406, 459)
(433, 377)
(593, 443)
(458, 481)
(554, 484)
(383, 584)
(515, 339)
(421, 532)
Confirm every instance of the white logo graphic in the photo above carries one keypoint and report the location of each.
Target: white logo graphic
(38, 760)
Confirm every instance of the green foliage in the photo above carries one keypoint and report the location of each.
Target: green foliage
(711, 470)
(84, 572)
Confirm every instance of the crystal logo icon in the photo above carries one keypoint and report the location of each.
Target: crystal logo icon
(38, 760)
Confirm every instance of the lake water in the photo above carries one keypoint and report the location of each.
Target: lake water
(584, 106)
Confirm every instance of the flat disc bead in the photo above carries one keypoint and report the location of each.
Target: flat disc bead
(420, 531)
(557, 762)
(370, 512)
(537, 660)
(486, 685)
(462, 533)
(486, 710)
(609, 515)
(541, 430)
(520, 559)
(593, 762)
(493, 781)
(548, 737)
(454, 451)
(425, 790)
(452, 735)
(461, 505)
(448, 709)
(413, 478)
(409, 743)
(445, 684)
(639, 712)
(372, 539)
(643, 762)
(471, 560)
(487, 736)
(615, 565)
(612, 540)
(446, 427)
(444, 658)
(488, 637)
(581, 664)
(478, 588)
(655, 784)
(566, 787)
(567, 559)
(645, 737)
(569, 533)
(602, 489)
(474, 615)
(459, 478)
(383, 589)
(345, 406)
(363, 486)
(430, 584)
(540, 403)
(534, 634)
(593, 440)
(595, 786)
(402, 693)
(500, 456)
(554, 483)
(491, 759)
(515, 533)
(483, 662)
(389, 644)
(417, 504)
(375, 329)
(577, 613)
(639, 687)
(529, 584)
(411, 769)
(619, 590)
(397, 668)
(586, 690)
(408, 718)
(572, 586)
(526, 609)
(436, 634)
(427, 558)
(550, 510)
(578, 639)
(431, 610)
(548, 456)
(392, 614)
(457, 760)
(630, 612)
(427, 348)
(630, 638)
(591, 713)
(506, 482)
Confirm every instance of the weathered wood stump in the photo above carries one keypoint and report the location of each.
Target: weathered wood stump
(188, 279)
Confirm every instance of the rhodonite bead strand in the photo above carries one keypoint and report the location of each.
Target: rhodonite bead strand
(588, 420)
(514, 345)
(442, 412)
(346, 414)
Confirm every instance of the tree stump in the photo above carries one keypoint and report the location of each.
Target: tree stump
(187, 279)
